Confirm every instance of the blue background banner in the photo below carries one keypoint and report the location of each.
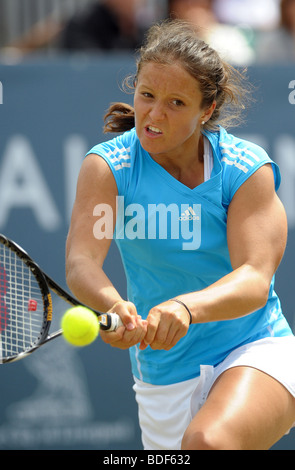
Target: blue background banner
(51, 115)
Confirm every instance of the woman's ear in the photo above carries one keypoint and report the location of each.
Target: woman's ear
(206, 115)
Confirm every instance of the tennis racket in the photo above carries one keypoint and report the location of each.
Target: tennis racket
(26, 304)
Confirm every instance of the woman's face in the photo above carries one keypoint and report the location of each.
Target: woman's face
(168, 111)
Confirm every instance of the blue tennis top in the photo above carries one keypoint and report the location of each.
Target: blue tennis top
(172, 241)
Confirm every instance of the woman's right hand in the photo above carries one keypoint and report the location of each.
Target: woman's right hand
(133, 330)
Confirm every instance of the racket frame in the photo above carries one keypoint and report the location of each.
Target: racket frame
(108, 321)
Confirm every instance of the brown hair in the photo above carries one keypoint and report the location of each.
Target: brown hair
(287, 21)
(175, 40)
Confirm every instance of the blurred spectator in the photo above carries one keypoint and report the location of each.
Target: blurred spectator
(102, 25)
(278, 46)
(230, 41)
(105, 25)
(256, 14)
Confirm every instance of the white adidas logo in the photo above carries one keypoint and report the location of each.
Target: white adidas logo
(189, 214)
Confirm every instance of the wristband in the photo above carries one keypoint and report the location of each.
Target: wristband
(187, 309)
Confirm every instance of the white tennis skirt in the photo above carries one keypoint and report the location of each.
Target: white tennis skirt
(165, 411)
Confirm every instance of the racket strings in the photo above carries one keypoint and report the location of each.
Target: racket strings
(21, 305)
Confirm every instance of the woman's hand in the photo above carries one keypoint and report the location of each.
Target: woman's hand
(133, 331)
(167, 323)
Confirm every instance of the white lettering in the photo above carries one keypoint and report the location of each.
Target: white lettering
(75, 148)
(103, 228)
(158, 217)
(192, 221)
(22, 185)
(114, 460)
(292, 94)
(135, 227)
(132, 220)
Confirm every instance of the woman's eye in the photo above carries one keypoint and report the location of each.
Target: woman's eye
(178, 103)
(147, 95)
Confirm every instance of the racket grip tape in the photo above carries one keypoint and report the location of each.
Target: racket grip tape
(110, 321)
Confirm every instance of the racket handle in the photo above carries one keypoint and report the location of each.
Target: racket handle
(110, 321)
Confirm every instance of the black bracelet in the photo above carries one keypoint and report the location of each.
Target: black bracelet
(188, 310)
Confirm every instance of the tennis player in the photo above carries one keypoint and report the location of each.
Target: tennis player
(201, 233)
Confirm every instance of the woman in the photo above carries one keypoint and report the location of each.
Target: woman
(201, 232)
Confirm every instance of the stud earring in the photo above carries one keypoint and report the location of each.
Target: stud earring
(203, 122)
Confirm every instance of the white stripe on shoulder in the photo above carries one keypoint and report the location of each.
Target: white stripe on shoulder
(122, 165)
(240, 157)
(236, 164)
(119, 157)
(235, 155)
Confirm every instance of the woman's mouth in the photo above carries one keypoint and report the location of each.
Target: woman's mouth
(153, 131)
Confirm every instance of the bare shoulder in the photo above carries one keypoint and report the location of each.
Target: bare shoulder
(95, 179)
(259, 187)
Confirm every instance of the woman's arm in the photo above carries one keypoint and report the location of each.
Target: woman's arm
(85, 253)
(257, 233)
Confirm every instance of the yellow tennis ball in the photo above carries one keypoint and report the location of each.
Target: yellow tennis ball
(80, 326)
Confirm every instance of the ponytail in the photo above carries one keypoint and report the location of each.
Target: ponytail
(119, 118)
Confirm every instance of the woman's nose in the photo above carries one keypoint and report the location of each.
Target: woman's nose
(157, 112)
